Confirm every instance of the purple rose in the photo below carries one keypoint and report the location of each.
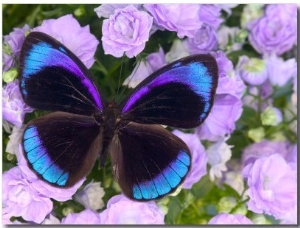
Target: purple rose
(13, 106)
(68, 31)
(280, 71)
(20, 198)
(45, 189)
(272, 185)
(12, 46)
(199, 158)
(225, 219)
(121, 210)
(229, 82)
(291, 156)
(227, 107)
(226, 110)
(127, 30)
(87, 216)
(143, 69)
(276, 31)
(211, 15)
(105, 10)
(205, 40)
(261, 149)
(252, 70)
(181, 18)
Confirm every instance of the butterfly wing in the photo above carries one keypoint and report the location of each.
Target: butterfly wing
(52, 78)
(62, 147)
(148, 161)
(180, 94)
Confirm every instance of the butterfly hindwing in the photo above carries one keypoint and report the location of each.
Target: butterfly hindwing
(52, 78)
(180, 94)
(148, 161)
(61, 147)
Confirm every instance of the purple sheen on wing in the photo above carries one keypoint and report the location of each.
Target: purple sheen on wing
(56, 58)
(194, 75)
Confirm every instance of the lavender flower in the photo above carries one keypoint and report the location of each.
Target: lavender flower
(221, 121)
(205, 40)
(199, 158)
(262, 149)
(78, 39)
(177, 51)
(180, 18)
(272, 185)
(20, 198)
(225, 218)
(291, 156)
(280, 71)
(229, 82)
(210, 15)
(13, 106)
(12, 44)
(227, 107)
(229, 38)
(87, 216)
(218, 154)
(50, 220)
(252, 70)
(91, 196)
(127, 30)
(121, 210)
(143, 69)
(105, 10)
(276, 31)
(45, 189)
(15, 139)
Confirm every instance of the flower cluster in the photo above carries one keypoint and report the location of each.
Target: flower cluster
(244, 155)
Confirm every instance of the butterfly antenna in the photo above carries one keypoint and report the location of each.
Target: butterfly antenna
(119, 82)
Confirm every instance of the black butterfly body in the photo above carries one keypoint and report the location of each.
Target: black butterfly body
(148, 161)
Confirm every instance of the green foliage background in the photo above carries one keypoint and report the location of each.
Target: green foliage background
(204, 200)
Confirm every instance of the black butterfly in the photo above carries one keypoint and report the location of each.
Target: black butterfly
(148, 161)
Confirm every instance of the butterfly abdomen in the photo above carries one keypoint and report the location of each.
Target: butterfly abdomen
(110, 120)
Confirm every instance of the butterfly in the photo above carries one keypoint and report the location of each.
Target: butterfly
(148, 161)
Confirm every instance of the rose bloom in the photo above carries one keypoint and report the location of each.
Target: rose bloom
(87, 216)
(13, 106)
(227, 219)
(205, 40)
(68, 31)
(121, 210)
(181, 18)
(272, 185)
(199, 158)
(13, 42)
(126, 31)
(276, 31)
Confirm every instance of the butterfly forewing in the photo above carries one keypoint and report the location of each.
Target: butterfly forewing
(180, 94)
(53, 78)
(148, 161)
(62, 147)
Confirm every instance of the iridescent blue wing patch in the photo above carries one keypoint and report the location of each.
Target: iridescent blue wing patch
(148, 161)
(62, 147)
(52, 78)
(180, 94)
